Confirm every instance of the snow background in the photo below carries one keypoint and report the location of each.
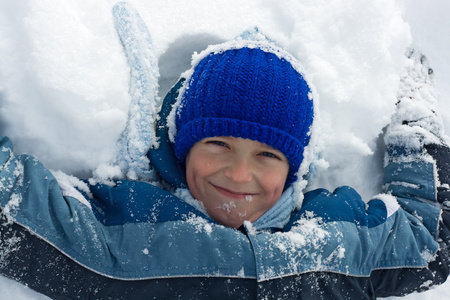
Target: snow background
(64, 77)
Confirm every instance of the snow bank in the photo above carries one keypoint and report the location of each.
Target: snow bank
(64, 77)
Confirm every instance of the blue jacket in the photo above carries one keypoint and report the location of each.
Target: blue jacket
(133, 240)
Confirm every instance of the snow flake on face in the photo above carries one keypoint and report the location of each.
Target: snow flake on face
(227, 206)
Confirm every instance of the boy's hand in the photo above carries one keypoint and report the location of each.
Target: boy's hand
(416, 121)
(344, 204)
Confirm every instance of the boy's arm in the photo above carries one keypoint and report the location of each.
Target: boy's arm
(55, 245)
(432, 211)
(417, 173)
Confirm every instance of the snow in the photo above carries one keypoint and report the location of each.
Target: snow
(64, 77)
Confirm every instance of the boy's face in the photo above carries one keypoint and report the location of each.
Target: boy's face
(236, 179)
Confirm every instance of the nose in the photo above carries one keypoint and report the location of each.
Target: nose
(239, 171)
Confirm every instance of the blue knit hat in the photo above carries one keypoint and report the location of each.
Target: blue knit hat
(249, 90)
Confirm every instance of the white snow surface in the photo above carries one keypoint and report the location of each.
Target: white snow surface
(64, 77)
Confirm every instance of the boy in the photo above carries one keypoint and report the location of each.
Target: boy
(240, 130)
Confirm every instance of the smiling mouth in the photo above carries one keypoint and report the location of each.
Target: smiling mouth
(233, 194)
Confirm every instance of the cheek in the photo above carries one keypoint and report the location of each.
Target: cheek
(274, 187)
(191, 170)
(198, 167)
(273, 184)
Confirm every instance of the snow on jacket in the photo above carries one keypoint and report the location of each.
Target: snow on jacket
(134, 240)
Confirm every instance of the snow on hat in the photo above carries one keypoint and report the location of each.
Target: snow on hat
(248, 89)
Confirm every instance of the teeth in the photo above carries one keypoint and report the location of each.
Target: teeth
(248, 198)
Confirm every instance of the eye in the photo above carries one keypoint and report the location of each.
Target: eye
(270, 155)
(217, 143)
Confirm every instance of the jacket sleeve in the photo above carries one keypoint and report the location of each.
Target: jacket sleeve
(31, 197)
(417, 173)
(421, 188)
